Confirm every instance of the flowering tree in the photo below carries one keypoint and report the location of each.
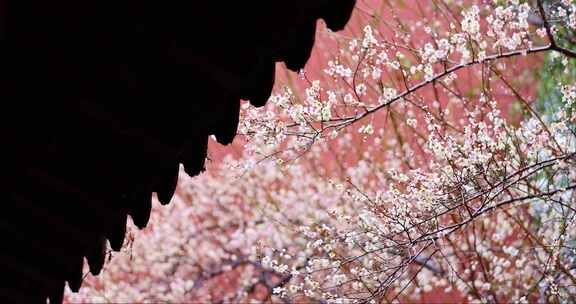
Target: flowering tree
(429, 156)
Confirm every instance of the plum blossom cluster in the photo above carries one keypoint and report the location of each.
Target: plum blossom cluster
(432, 217)
(385, 66)
(413, 164)
(477, 221)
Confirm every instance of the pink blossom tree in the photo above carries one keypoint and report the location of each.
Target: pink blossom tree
(409, 162)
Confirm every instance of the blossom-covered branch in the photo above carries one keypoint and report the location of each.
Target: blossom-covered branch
(429, 156)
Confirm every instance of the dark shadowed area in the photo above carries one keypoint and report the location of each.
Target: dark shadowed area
(102, 102)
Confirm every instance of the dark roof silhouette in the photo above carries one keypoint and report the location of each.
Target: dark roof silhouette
(101, 102)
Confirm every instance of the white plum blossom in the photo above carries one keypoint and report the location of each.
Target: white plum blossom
(413, 161)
